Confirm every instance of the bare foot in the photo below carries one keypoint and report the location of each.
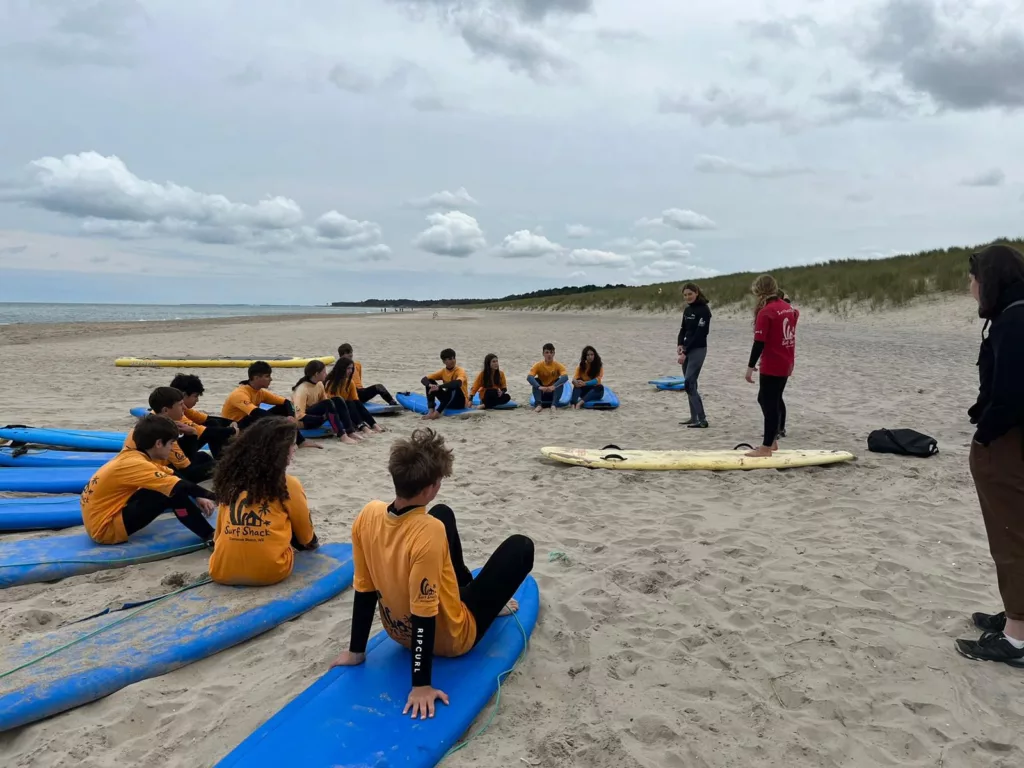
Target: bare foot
(349, 441)
(367, 432)
(481, 407)
(378, 429)
(311, 444)
(432, 415)
(510, 607)
(578, 406)
(761, 452)
(538, 409)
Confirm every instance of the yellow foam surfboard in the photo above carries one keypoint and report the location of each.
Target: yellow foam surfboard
(216, 362)
(614, 458)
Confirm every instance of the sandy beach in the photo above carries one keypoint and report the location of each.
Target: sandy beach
(799, 618)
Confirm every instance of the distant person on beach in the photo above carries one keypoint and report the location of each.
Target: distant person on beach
(547, 379)
(135, 487)
(243, 404)
(313, 407)
(692, 348)
(447, 388)
(586, 381)
(341, 388)
(411, 562)
(365, 393)
(169, 402)
(213, 431)
(775, 347)
(997, 450)
(262, 514)
(491, 384)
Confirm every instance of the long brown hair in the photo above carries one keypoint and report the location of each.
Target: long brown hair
(765, 289)
(338, 377)
(701, 298)
(313, 367)
(254, 463)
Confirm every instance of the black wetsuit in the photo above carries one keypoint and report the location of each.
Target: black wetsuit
(145, 505)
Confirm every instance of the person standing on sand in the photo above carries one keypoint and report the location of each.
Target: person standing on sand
(775, 346)
(997, 450)
(693, 349)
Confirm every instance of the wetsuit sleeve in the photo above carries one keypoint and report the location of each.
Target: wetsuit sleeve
(681, 337)
(453, 384)
(755, 354)
(423, 631)
(194, 490)
(597, 379)
(266, 396)
(363, 606)
(1006, 395)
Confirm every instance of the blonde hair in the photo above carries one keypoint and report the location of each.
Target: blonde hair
(765, 288)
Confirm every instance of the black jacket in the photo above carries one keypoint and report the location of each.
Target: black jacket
(693, 331)
(1000, 405)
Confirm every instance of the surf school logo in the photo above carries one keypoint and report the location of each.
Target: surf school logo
(788, 333)
(248, 522)
(700, 323)
(427, 590)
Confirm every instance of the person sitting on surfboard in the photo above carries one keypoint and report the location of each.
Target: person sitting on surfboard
(132, 489)
(547, 378)
(366, 394)
(169, 402)
(410, 560)
(586, 382)
(213, 431)
(491, 384)
(262, 512)
(341, 388)
(446, 388)
(243, 404)
(313, 406)
(775, 346)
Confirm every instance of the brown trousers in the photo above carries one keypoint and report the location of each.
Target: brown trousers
(998, 472)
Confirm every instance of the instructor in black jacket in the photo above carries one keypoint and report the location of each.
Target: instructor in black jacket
(693, 348)
(997, 451)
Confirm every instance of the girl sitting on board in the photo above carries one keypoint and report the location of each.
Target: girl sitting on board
(491, 384)
(365, 393)
(396, 545)
(775, 346)
(586, 382)
(313, 406)
(341, 388)
(262, 512)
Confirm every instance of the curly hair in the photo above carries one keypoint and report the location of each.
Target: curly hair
(765, 288)
(254, 463)
(418, 462)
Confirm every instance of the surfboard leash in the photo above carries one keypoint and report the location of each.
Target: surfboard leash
(497, 700)
(95, 632)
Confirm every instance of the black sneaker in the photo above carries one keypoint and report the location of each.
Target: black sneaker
(989, 622)
(992, 646)
(697, 425)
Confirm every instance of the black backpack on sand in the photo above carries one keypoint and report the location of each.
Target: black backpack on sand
(905, 442)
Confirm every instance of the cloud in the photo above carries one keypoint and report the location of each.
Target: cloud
(652, 250)
(523, 50)
(250, 75)
(658, 269)
(860, 101)
(968, 61)
(993, 177)
(578, 231)
(460, 198)
(717, 105)
(527, 245)
(722, 165)
(454, 234)
(12, 250)
(678, 218)
(578, 274)
(586, 257)
(379, 252)
(345, 78)
(111, 201)
(783, 31)
(858, 197)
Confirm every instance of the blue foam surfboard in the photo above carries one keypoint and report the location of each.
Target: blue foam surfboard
(417, 403)
(509, 406)
(161, 637)
(608, 402)
(42, 457)
(352, 716)
(85, 440)
(672, 383)
(42, 480)
(40, 513)
(71, 554)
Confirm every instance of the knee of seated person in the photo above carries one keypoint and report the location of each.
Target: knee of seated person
(442, 512)
(522, 543)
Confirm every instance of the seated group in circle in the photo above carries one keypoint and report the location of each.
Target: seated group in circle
(448, 388)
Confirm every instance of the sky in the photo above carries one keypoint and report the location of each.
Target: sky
(317, 151)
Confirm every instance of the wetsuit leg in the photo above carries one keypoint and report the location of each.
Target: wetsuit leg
(577, 393)
(320, 412)
(284, 409)
(493, 398)
(590, 394)
(691, 373)
(216, 438)
(200, 468)
(359, 413)
(368, 393)
(769, 397)
(146, 505)
(344, 416)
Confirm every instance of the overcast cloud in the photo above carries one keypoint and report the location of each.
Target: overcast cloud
(432, 148)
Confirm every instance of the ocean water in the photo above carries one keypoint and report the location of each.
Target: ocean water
(106, 313)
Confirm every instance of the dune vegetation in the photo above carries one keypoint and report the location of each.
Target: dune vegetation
(834, 286)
